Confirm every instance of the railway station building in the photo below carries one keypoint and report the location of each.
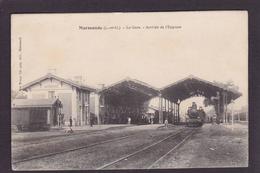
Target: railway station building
(130, 98)
(74, 96)
(127, 98)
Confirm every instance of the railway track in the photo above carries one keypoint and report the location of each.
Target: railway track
(56, 138)
(70, 150)
(119, 163)
(75, 148)
(140, 159)
(174, 148)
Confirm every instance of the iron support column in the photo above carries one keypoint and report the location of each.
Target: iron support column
(175, 113)
(168, 111)
(160, 110)
(97, 107)
(178, 118)
(165, 110)
(171, 112)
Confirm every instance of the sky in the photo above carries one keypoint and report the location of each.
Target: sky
(210, 45)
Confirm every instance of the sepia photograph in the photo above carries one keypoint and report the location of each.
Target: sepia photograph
(129, 90)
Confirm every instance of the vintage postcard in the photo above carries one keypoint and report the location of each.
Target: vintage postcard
(146, 90)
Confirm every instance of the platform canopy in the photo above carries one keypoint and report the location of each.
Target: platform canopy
(36, 103)
(129, 91)
(194, 86)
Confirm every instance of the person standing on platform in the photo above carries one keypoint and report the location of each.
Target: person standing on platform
(166, 123)
(70, 121)
(91, 120)
(129, 120)
(70, 125)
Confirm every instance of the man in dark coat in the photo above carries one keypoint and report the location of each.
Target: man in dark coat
(70, 125)
(70, 121)
(91, 120)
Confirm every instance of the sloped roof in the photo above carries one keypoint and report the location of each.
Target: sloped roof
(191, 86)
(127, 79)
(128, 87)
(67, 81)
(24, 103)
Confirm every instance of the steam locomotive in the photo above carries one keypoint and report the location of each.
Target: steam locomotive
(195, 117)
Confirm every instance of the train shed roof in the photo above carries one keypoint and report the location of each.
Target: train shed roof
(128, 88)
(194, 86)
